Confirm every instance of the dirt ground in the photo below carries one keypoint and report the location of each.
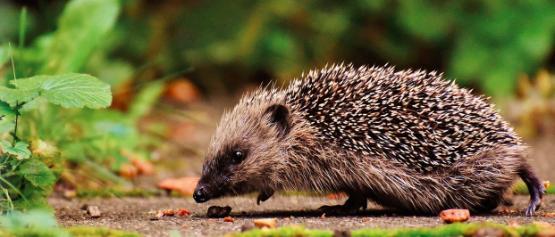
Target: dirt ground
(135, 214)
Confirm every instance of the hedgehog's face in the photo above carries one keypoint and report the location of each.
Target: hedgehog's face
(245, 152)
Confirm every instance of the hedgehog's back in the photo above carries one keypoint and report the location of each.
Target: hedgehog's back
(411, 117)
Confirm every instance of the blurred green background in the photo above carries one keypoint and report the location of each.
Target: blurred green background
(223, 45)
(174, 65)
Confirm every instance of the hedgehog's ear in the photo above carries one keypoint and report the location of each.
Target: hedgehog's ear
(279, 116)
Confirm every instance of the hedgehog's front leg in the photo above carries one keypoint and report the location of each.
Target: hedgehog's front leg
(354, 203)
(263, 196)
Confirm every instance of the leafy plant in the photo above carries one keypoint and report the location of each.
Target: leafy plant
(92, 142)
(25, 178)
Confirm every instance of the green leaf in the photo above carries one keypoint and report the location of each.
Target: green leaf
(145, 99)
(5, 109)
(81, 28)
(70, 90)
(14, 96)
(37, 173)
(20, 150)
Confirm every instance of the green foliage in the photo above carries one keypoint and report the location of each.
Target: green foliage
(67, 90)
(91, 140)
(26, 177)
(70, 90)
(81, 28)
(28, 180)
(484, 44)
(19, 150)
(86, 231)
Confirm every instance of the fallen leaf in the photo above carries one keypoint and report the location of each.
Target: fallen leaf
(168, 212)
(144, 167)
(184, 186)
(183, 212)
(454, 215)
(228, 219)
(128, 171)
(549, 214)
(546, 184)
(182, 91)
(265, 223)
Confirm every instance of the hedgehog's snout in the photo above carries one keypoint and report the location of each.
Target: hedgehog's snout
(201, 193)
(208, 188)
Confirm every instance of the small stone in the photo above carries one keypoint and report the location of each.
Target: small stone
(218, 212)
(341, 233)
(70, 193)
(265, 222)
(247, 227)
(454, 215)
(93, 211)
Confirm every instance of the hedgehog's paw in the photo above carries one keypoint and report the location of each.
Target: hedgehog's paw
(263, 196)
(354, 204)
(535, 204)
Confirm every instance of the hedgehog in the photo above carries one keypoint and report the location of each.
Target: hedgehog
(408, 140)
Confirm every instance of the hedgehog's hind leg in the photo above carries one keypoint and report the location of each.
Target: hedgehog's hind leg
(354, 203)
(535, 188)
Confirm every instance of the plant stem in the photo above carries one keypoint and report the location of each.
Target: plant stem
(22, 26)
(14, 134)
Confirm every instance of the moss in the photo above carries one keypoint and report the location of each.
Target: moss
(86, 231)
(296, 231)
(458, 229)
(78, 231)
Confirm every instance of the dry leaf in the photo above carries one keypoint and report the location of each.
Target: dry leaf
(265, 223)
(183, 212)
(184, 186)
(144, 167)
(128, 171)
(182, 91)
(454, 215)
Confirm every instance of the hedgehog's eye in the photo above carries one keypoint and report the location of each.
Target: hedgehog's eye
(237, 156)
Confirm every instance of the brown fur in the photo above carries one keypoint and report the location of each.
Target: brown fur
(300, 159)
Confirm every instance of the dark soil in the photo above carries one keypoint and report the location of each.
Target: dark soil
(136, 213)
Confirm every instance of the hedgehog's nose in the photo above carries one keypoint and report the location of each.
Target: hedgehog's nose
(200, 194)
